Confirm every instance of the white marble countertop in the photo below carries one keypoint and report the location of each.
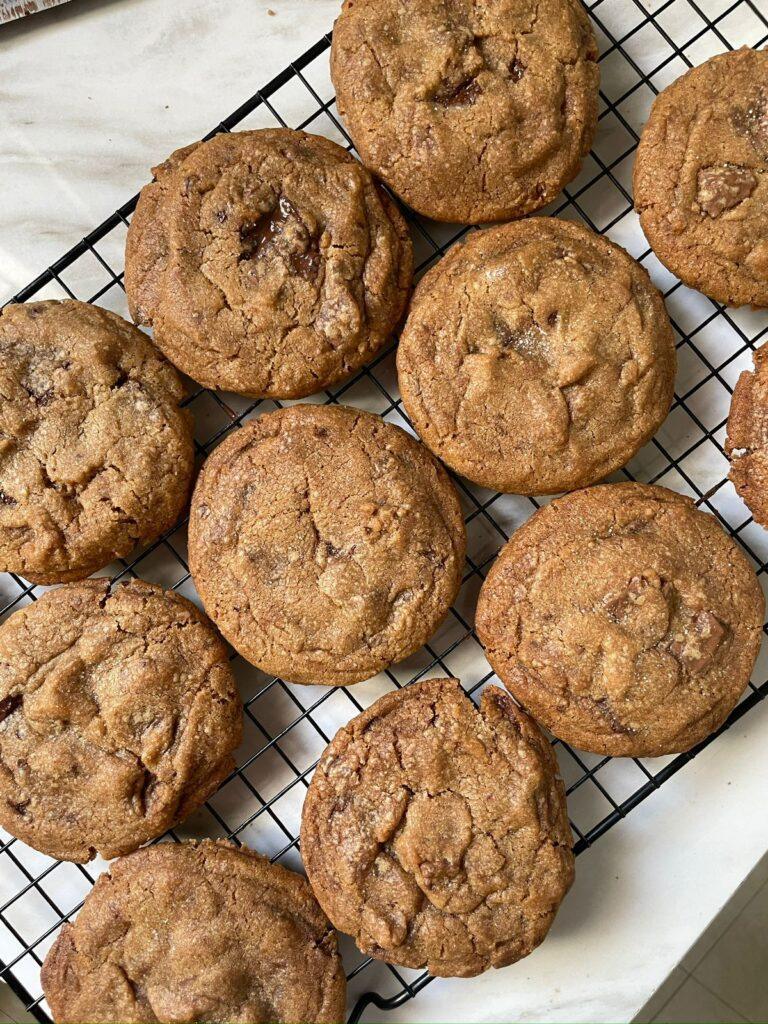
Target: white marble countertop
(91, 95)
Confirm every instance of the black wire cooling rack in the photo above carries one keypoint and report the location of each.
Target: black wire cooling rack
(643, 47)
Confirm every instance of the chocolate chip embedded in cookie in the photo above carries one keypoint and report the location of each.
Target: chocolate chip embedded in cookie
(95, 454)
(325, 543)
(197, 932)
(747, 441)
(701, 177)
(118, 717)
(470, 112)
(268, 263)
(537, 357)
(623, 619)
(436, 833)
(724, 186)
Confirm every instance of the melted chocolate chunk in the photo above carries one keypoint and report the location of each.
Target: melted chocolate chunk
(698, 647)
(257, 236)
(267, 235)
(6, 499)
(331, 551)
(608, 711)
(528, 343)
(516, 70)
(37, 396)
(305, 264)
(464, 95)
(724, 186)
(618, 605)
(9, 704)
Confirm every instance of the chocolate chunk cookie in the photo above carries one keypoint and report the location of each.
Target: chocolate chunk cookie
(747, 441)
(436, 833)
(701, 177)
(197, 932)
(118, 717)
(325, 543)
(623, 619)
(268, 263)
(537, 357)
(470, 112)
(95, 454)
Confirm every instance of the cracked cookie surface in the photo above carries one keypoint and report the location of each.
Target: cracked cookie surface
(537, 357)
(268, 263)
(325, 543)
(95, 454)
(623, 619)
(470, 112)
(747, 441)
(701, 177)
(436, 833)
(118, 717)
(197, 932)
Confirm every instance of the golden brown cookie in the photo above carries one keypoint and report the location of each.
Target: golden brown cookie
(197, 932)
(701, 177)
(470, 112)
(747, 441)
(118, 717)
(268, 263)
(325, 543)
(537, 357)
(436, 833)
(623, 619)
(95, 454)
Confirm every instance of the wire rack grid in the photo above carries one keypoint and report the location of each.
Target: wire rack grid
(643, 47)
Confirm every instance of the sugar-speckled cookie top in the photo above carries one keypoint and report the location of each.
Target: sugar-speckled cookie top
(436, 833)
(268, 263)
(537, 357)
(470, 112)
(701, 177)
(623, 619)
(325, 543)
(118, 717)
(95, 454)
(197, 932)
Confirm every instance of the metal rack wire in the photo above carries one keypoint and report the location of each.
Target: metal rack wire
(643, 46)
